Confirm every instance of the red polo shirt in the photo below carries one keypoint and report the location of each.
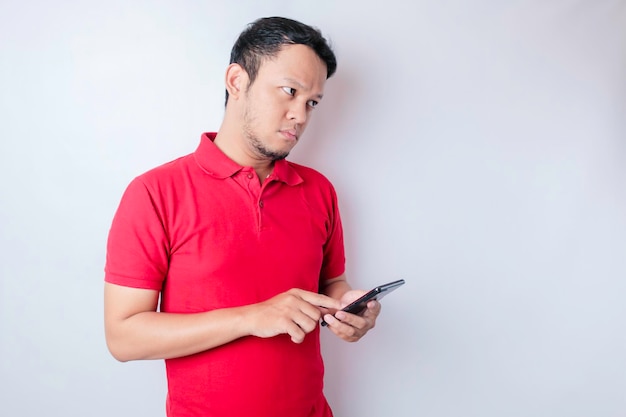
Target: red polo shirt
(204, 231)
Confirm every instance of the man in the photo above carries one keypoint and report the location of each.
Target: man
(244, 248)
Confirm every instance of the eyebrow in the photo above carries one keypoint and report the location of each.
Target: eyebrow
(301, 86)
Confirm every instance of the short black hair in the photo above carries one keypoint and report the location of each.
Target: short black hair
(265, 37)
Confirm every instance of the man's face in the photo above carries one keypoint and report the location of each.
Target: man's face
(279, 102)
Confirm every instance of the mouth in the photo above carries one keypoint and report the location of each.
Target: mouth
(290, 134)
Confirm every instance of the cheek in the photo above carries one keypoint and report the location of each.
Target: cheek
(309, 115)
(270, 107)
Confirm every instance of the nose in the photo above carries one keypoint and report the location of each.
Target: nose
(298, 113)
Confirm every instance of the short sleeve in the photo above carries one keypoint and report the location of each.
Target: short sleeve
(137, 245)
(334, 261)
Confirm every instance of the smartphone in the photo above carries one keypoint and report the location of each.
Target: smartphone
(377, 293)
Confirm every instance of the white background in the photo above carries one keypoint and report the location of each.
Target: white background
(479, 152)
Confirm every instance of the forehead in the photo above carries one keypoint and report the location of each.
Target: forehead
(296, 62)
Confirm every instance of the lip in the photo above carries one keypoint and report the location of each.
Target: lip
(290, 134)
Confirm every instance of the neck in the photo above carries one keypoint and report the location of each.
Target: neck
(263, 174)
(233, 145)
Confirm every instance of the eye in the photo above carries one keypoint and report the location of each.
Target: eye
(290, 91)
(312, 103)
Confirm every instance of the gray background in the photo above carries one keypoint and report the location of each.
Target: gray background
(478, 148)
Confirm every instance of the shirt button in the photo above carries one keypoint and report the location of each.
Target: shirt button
(261, 203)
(249, 175)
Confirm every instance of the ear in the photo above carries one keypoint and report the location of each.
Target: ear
(236, 80)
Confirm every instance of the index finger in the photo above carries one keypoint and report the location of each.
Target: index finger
(319, 300)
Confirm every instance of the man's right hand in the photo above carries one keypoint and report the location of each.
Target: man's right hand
(295, 312)
(136, 330)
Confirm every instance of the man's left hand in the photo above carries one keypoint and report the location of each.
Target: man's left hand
(352, 327)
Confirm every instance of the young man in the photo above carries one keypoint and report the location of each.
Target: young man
(244, 248)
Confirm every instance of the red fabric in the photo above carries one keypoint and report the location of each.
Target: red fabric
(204, 231)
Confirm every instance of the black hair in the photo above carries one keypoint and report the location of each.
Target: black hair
(264, 38)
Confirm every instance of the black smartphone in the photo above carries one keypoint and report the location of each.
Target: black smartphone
(360, 304)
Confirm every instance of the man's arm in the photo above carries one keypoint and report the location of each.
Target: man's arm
(336, 287)
(349, 327)
(135, 330)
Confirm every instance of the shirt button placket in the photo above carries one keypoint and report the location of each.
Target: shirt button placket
(260, 215)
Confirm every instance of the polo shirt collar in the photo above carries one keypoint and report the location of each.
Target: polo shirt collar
(215, 163)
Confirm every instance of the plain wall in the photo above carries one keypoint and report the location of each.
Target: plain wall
(478, 149)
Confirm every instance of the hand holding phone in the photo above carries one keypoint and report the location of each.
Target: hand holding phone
(377, 293)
